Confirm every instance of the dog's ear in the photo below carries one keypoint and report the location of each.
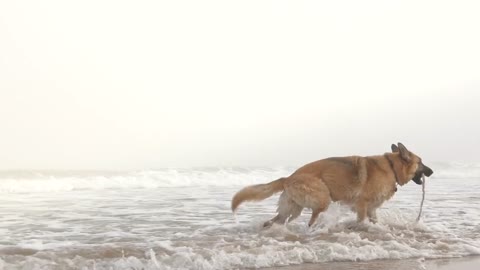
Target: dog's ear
(404, 153)
(394, 148)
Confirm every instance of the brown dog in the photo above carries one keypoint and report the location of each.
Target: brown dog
(364, 183)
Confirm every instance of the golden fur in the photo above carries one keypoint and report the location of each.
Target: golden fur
(364, 183)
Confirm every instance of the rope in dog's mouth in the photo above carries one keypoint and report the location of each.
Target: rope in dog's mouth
(423, 198)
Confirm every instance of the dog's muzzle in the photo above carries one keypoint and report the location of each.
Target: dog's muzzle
(422, 170)
(427, 171)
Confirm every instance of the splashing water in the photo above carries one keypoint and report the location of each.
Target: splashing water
(181, 219)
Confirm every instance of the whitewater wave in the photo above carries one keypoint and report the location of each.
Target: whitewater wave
(456, 170)
(32, 182)
(20, 182)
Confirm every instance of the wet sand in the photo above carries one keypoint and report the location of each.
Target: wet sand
(465, 263)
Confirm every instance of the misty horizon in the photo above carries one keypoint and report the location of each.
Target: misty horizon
(117, 86)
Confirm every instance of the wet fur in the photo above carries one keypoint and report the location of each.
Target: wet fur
(364, 183)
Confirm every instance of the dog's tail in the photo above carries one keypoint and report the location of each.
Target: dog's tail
(257, 192)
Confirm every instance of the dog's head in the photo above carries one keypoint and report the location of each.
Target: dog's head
(412, 163)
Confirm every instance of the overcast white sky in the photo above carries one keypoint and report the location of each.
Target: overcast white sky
(152, 84)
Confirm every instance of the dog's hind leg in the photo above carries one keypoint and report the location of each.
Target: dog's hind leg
(321, 206)
(296, 211)
(309, 192)
(314, 217)
(271, 221)
(283, 210)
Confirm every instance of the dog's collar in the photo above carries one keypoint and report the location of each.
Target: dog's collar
(393, 169)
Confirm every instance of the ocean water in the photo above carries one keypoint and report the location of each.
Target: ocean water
(181, 219)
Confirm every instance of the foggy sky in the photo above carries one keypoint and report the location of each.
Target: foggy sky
(152, 84)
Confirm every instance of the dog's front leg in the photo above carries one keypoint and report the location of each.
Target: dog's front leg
(361, 207)
(372, 215)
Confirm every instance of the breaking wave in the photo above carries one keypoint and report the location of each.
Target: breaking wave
(65, 181)
(18, 182)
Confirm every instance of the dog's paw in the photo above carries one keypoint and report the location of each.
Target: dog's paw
(357, 226)
(267, 224)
